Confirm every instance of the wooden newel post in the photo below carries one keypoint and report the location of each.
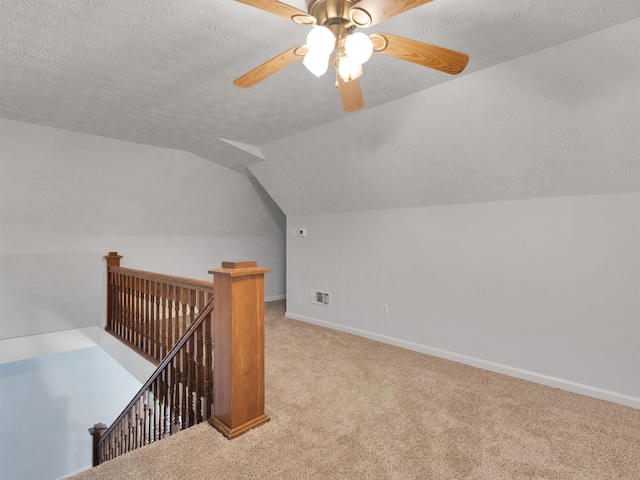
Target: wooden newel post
(238, 353)
(96, 432)
(113, 260)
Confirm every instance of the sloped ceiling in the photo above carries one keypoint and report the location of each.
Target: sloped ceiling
(160, 73)
(560, 122)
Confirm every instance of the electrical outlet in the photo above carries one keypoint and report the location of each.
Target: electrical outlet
(385, 309)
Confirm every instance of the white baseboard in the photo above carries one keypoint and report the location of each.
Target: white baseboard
(587, 390)
(274, 298)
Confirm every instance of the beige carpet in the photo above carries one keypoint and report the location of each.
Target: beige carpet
(343, 407)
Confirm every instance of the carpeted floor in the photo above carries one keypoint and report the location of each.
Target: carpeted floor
(343, 407)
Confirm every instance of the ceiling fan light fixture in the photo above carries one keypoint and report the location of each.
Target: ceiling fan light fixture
(331, 40)
(321, 41)
(358, 47)
(316, 63)
(348, 69)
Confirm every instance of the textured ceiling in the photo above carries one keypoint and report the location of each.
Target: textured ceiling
(160, 72)
(564, 121)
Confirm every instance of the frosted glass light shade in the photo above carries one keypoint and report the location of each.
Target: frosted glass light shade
(315, 63)
(349, 69)
(359, 47)
(321, 41)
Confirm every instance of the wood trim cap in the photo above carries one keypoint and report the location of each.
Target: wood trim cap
(240, 269)
(245, 264)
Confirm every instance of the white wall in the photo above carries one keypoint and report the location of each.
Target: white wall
(543, 289)
(48, 405)
(67, 198)
(547, 290)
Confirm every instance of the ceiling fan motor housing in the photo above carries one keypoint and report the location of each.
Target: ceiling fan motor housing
(330, 12)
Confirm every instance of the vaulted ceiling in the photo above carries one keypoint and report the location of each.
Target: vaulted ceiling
(160, 72)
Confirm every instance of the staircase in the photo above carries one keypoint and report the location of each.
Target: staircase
(173, 322)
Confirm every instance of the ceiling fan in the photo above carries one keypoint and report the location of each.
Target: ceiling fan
(332, 40)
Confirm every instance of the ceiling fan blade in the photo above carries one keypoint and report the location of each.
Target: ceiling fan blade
(432, 56)
(270, 67)
(351, 94)
(281, 9)
(369, 12)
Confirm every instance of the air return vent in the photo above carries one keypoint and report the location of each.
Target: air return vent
(320, 298)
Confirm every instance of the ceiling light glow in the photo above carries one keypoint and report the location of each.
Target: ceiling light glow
(358, 47)
(316, 63)
(349, 69)
(321, 41)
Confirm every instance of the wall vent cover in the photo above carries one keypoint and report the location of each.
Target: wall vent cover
(320, 298)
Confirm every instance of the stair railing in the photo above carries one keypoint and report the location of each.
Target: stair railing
(151, 311)
(185, 388)
(178, 395)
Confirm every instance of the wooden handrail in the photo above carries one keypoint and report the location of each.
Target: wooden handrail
(161, 277)
(182, 390)
(150, 311)
(164, 362)
(123, 443)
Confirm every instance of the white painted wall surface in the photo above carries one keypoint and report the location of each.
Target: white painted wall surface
(547, 289)
(48, 404)
(66, 199)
